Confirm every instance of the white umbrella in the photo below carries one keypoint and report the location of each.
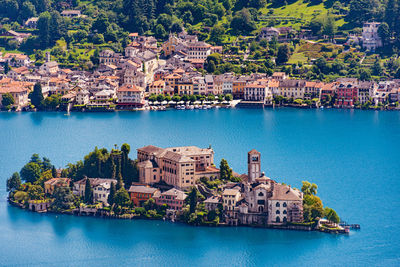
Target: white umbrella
(197, 102)
(164, 102)
(225, 102)
(181, 102)
(156, 103)
(172, 102)
(215, 102)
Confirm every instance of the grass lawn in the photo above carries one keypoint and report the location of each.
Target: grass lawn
(297, 57)
(295, 14)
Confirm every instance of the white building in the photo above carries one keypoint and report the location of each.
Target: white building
(82, 97)
(130, 94)
(370, 36)
(100, 186)
(268, 33)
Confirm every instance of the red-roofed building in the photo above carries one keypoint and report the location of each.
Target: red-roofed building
(130, 95)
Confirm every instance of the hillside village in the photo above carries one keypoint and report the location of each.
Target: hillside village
(148, 75)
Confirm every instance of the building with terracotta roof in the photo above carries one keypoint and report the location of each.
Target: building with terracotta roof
(141, 193)
(129, 94)
(157, 87)
(18, 73)
(16, 60)
(173, 198)
(19, 91)
(53, 183)
(180, 167)
(259, 200)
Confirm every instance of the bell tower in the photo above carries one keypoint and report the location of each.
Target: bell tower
(254, 165)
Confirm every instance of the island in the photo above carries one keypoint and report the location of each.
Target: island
(180, 184)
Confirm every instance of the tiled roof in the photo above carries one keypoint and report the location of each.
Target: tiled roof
(142, 189)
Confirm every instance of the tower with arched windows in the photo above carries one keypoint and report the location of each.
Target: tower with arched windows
(254, 165)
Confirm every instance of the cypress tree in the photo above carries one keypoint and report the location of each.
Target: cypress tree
(114, 170)
(54, 172)
(88, 192)
(111, 196)
(120, 182)
(193, 200)
(36, 96)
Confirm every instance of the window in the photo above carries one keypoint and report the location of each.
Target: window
(284, 212)
(278, 212)
(278, 219)
(284, 219)
(260, 194)
(277, 204)
(284, 204)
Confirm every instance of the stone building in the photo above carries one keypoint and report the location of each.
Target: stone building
(260, 200)
(370, 37)
(177, 166)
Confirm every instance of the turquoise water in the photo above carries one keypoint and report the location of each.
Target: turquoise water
(353, 156)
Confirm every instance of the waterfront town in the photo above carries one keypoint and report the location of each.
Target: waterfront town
(180, 184)
(159, 75)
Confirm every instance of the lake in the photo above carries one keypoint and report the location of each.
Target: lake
(352, 155)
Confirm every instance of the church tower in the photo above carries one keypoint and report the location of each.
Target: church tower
(254, 165)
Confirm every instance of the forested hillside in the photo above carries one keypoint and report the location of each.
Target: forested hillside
(234, 24)
(111, 20)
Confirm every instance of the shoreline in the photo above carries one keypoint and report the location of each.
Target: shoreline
(212, 108)
(289, 227)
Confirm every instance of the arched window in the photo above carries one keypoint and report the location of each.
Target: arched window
(277, 204)
(260, 209)
(278, 219)
(278, 212)
(284, 219)
(284, 212)
(229, 202)
(284, 204)
(260, 194)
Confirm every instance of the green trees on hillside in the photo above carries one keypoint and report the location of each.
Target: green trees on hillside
(283, 54)
(102, 164)
(242, 22)
(51, 27)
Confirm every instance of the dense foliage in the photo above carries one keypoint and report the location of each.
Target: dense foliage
(101, 163)
(312, 205)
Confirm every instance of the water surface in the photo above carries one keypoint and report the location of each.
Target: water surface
(351, 155)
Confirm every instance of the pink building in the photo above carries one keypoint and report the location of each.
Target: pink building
(174, 199)
(346, 95)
